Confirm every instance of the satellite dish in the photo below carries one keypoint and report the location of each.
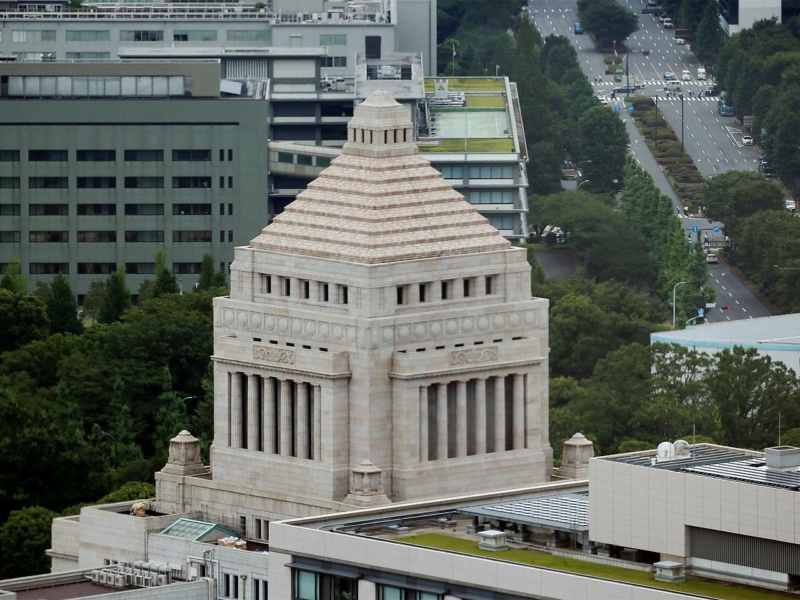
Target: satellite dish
(666, 451)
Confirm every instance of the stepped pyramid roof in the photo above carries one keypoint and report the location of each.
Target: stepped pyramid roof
(380, 201)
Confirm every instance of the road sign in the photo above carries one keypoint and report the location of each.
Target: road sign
(716, 229)
(630, 109)
(711, 305)
(701, 312)
(617, 108)
(694, 229)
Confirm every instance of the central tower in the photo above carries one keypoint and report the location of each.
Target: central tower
(379, 318)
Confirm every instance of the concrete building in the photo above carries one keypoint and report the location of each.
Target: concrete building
(736, 15)
(775, 337)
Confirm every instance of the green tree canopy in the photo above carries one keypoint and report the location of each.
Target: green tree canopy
(116, 299)
(62, 307)
(24, 537)
(608, 21)
(13, 280)
(735, 195)
(23, 319)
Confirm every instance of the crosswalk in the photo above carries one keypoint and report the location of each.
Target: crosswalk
(672, 98)
(653, 83)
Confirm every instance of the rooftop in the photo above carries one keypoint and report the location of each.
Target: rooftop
(766, 333)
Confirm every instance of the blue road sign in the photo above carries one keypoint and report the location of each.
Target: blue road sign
(701, 312)
(617, 108)
(630, 109)
(716, 229)
(694, 229)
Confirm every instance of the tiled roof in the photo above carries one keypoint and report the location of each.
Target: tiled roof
(380, 201)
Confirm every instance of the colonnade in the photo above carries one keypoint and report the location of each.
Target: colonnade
(274, 416)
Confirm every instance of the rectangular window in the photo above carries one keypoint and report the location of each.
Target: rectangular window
(250, 35)
(186, 268)
(230, 155)
(144, 209)
(88, 35)
(452, 171)
(47, 155)
(230, 181)
(260, 589)
(48, 183)
(467, 288)
(144, 236)
(192, 236)
(96, 268)
(48, 237)
(323, 586)
(221, 182)
(97, 155)
(191, 209)
(140, 268)
(9, 155)
(9, 237)
(503, 222)
(266, 284)
(230, 209)
(48, 268)
(445, 290)
(97, 210)
(333, 39)
(191, 182)
(230, 586)
(334, 61)
(221, 208)
(144, 182)
(423, 289)
(88, 55)
(489, 285)
(305, 159)
(401, 295)
(97, 236)
(141, 35)
(286, 157)
(286, 287)
(491, 172)
(97, 182)
(9, 210)
(491, 197)
(345, 294)
(198, 35)
(261, 528)
(191, 155)
(48, 210)
(325, 292)
(221, 155)
(9, 183)
(32, 36)
(144, 155)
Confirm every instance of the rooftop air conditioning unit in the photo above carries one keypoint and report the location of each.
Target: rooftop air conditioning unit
(162, 580)
(119, 580)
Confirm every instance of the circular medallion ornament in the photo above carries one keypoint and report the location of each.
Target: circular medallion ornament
(324, 330)
(513, 319)
(283, 325)
(451, 327)
(466, 325)
(436, 328)
(419, 331)
(403, 332)
(269, 323)
(498, 321)
(483, 323)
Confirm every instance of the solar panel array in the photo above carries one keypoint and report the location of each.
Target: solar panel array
(750, 471)
(567, 512)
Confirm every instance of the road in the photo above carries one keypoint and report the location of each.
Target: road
(713, 142)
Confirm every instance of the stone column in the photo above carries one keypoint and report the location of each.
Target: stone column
(480, 286)
(413, 293)
(480, 416)
(222, 406)
(301, 421)
(313, 291)
(253, 433)
(441, 421)
(236, 410)
(519, 412)
(268, 417)
(286, 418)
(423, 423)
(317, 423)
(461, 418)
(435, 291)
(499, 414)
(458, 288)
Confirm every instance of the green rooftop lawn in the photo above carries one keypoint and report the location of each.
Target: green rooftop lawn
(470, 84)
(486, 101)
(579, 567)
(473, 145)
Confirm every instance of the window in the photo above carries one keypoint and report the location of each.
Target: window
(97, 210)
(502, 221)
(140, 268)
(48, 268)
(48, 237)
(260, 589)
(323, 586)
(97, 236)
(96, 268)
(144, 236)
(390, 592)
(489, 285)
(9, 155)
(191, 182)
(9, 237)
(9, 183)
(88, 35)
(88, 55)
(452, 172)
(491, 197)
(401, 295)
(230, 586)
(144, 209)
(144, 155)
(9, 210)
(285, 157)
(445, 290)
(246, 35)
(191, 236)
(333, 39)
(47, 155)
(305, 159)
(48, 210)
(491, 172)
(33, 36)
(97, 182)
(35, 56)
(141, 35)
(467, 288)
(191, 209)
(261, 525)
(230, 155)
(186, 268)
(97, 155)
(144, 182)
(47, 183)
(334, 61)
(199, 35)
(191, 155)
(423, 292)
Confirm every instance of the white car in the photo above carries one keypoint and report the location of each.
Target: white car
(747, 140)
(680, 41)
(668, 23)
(686, 75)
(790, 204)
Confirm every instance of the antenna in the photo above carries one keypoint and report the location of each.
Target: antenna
(779, 428)
(694, 441)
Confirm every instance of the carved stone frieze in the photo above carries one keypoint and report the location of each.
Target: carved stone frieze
(473, 355)
(273, 355)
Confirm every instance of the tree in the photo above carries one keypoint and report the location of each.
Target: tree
(116, 299)
(62, 307)
(608, 21)
(23, 319)
(734, 195)
(13, 280)
(604, 141)
(209, 277)
(94, 298)
(708, 35)
(24, 537)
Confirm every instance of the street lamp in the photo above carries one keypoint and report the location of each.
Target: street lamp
(674, 289)
(655, 99)
(681, 97)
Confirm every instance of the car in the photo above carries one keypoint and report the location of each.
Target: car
(663, 16)
(652, 10)
(669, 76)
(712, 90)
(686, 75)
(712, 258)
(790, 204)
(667, 23)
(578, 29)
(747, 140)
(626, 89)
(680, 41)
(603, 100)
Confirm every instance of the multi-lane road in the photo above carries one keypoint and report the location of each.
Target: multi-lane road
(713, 142)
